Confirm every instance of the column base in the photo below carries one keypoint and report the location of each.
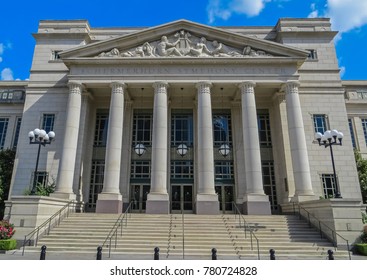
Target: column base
(256, 204)
(207, 204)
(109, 203)
(157, 203)
(302, 197)
(63, 195)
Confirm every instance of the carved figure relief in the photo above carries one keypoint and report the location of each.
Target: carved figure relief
(183, 44)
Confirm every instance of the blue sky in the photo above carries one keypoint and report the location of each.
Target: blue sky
(20, 19)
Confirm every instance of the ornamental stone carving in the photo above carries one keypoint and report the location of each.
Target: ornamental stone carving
(183, 44)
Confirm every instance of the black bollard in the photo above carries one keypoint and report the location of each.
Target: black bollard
(43, 252)
(214, 254)
(272, 254)
(330, 254)
(99, 253)
(156, 253)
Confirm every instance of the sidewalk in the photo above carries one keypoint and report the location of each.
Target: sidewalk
(17, 255)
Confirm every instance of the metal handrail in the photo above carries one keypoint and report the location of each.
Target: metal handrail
(113, 232)
(319, 226)
(48, 225)
(246, 227)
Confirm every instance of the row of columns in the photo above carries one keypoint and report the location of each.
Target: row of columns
(255, 201)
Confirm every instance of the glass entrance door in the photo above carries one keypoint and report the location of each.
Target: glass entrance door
(138, 196)
(225, 197)
(181, 198)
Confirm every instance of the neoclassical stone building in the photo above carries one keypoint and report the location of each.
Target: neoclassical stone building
(186, 117)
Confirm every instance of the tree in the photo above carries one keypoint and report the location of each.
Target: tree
(7, 158)
(362, 174)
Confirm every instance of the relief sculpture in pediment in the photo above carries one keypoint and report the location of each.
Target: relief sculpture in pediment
(183, 44)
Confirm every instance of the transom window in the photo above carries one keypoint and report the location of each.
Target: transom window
(182, 169)
(3, 128)
(362, 94)
(18, 122)
(223, 169)
(320, 123)
(140, 169)
(100, 132)
(142, 129)
(181, 129)
(222, 128)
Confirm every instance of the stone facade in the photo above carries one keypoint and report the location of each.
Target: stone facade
(245, 102)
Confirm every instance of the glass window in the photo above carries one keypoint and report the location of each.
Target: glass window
(263, 121)
(18, 122)
(181, 129)
(351, 129)
(182, 169)
(364, 125)
(96, 182)
(3, 129)
(55, 55)
(320, 123)
(224, 170)
(328, 184)
(48, 121)
(142, 129)
(312, 54)
(269, 183)
(222, 128)
(140, 169)
(362, 94)
(41, 178)
(100, 132)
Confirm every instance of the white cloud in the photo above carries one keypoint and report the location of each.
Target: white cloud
(315, 12)
(7, 74)
(224, 9)
(342, 71)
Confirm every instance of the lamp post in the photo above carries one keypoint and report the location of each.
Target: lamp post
(40, 138)
(328, 139)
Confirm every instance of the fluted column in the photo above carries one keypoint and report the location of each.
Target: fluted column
(255, 201)
(158, 200)
(65, 177)
(206, 199)
(110, 200)
(297, 139)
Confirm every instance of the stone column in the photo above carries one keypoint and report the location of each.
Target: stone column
(65, 177)
(255, 202)
(297, 139)
(158, 200)
(110, 199)
(206, 198)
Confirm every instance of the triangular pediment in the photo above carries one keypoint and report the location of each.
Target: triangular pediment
(183, 39)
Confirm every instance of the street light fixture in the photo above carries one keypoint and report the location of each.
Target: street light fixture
(328, 139)
(182, 150)
(40, 138)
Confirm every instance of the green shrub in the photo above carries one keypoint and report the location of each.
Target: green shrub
(8, 244)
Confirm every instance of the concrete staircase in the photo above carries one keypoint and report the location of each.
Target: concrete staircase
(189, 236)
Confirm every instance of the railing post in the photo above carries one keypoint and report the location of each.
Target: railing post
(43, 252)
(330, 255)
(38, 229)
(272, 254)
(25, 241)
(156, 253)
(214, 254)
(99, 253)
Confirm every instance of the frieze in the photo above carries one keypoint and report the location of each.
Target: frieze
(183, 70)
(183, 44)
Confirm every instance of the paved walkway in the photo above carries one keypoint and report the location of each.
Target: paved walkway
(17, 255)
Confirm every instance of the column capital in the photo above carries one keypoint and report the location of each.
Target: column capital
(291, 87)
(75, 87)
(247, 84)
(117, 84)
(202, 84)
(160, 84)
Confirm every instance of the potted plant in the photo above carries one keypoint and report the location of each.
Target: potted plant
(6, 232)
